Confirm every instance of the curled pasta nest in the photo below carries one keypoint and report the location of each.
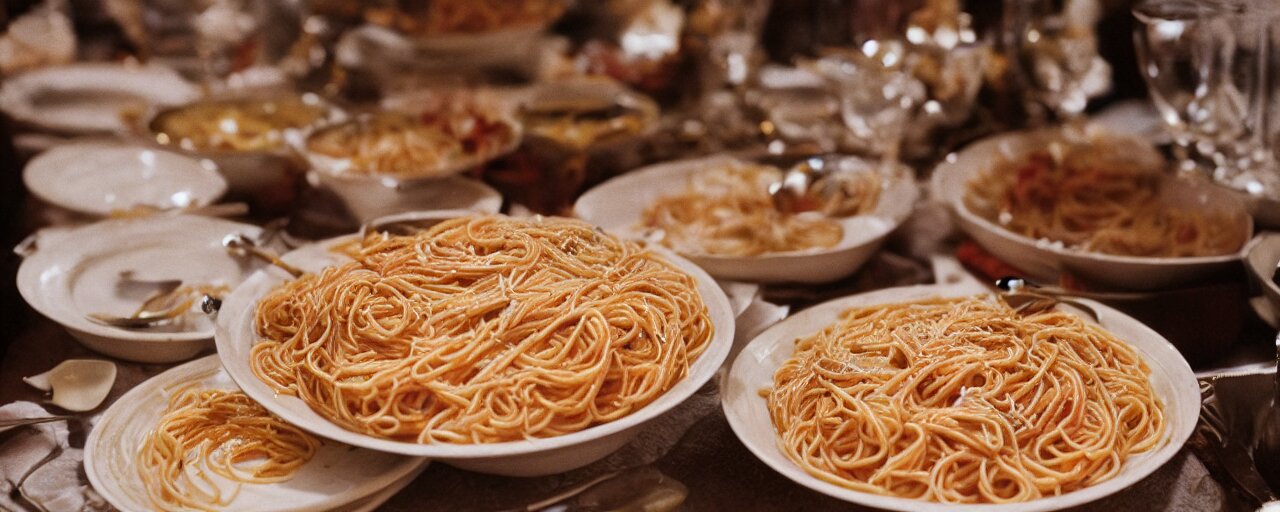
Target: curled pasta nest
(207, 432)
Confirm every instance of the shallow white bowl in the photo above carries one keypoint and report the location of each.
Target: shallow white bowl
(78, 274)
(533, 457)
(617, 206)
(337, 475)
(90, 97)
(748, 413)
(254, 172)
(1045, 260)
(368, 199)
(99, 177)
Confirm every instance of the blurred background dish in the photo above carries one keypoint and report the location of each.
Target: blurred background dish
(91, 98)
(1047, 259)
(103, 178)
(249, 139)
(619, 206)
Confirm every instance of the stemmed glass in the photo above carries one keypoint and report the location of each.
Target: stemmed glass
(1206, 65)
(1055, 50)
(732, 37)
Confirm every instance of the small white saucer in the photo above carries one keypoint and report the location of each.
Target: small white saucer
(91, 97)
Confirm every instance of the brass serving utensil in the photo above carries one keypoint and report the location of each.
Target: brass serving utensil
(240, 245)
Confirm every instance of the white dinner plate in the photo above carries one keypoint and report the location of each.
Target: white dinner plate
(236, 337)
(748, 413)
(618, 205)
(1046, 260)
(91, 97)
(337, 475)
(100, 177)
(79, 273)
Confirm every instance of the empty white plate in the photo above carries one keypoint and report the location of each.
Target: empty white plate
(100, 177)
(337, 475)
(91, 97)
(79, 273)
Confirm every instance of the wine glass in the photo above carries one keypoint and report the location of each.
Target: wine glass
(1206, 68)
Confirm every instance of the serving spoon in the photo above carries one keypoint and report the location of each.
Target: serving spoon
(1026, 297)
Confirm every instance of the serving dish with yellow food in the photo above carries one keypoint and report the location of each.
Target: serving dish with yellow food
(250, 139)
(719, 213)
(1102, 207)
(189, 439)
(933, 398)
(508, 346)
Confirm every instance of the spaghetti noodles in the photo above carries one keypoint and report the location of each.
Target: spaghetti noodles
(416, 145)
(483, 330)
(206, 432)
(963, 401)
(728, 212)
(1096, 199)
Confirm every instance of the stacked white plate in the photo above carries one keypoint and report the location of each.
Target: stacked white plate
(338, 477)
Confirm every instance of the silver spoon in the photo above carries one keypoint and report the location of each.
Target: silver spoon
(1025, 296)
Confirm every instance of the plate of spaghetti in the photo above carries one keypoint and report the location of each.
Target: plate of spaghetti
(189, 439)
(496, 344)
(1103, 208)
(717, 212)
(441, 136)
(933, 398)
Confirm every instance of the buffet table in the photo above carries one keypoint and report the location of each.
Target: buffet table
(693, 444)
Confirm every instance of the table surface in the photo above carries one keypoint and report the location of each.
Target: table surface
(693, 444)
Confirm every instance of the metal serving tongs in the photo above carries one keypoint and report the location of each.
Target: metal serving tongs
(1225, 456)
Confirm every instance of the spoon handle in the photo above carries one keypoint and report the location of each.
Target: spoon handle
(18, 422)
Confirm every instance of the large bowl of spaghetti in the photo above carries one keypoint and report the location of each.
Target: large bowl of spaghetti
(1102, 208)
(501, 345)
(933, 398)
(717, 212)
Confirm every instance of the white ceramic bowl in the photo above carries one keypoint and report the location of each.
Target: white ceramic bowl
(1262, 257)
(91, 98)
(591, 91)
(79, 273)
(336, 476)
(252, 172)
(1045, 260)
(369, 199)
(617, 205)
(748, 413)
(533, 457)
(101, 177)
